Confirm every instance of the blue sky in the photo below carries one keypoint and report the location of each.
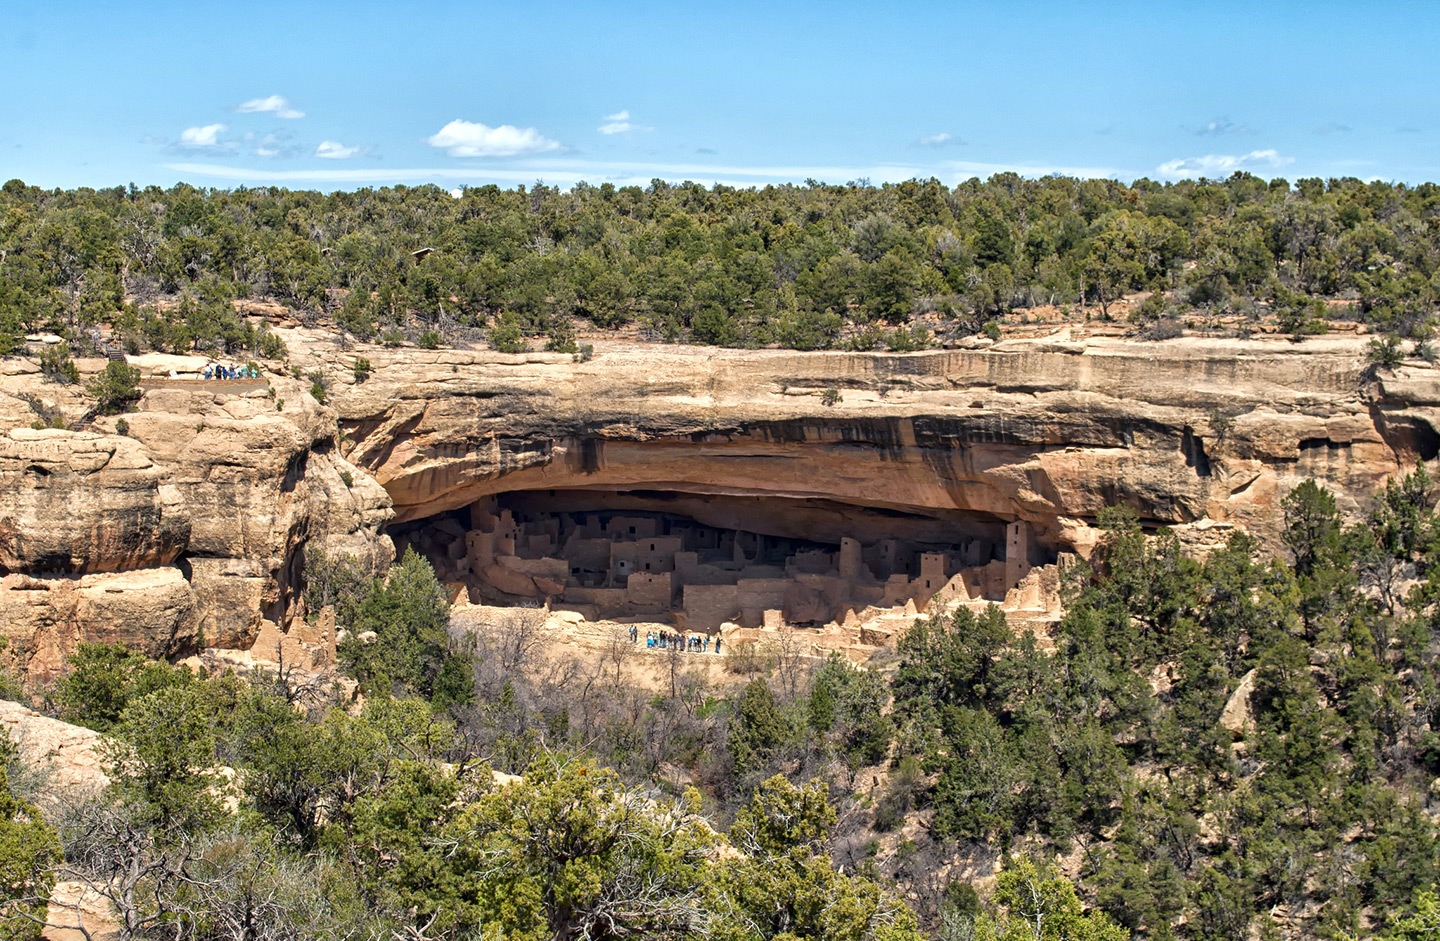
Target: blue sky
(341, 95)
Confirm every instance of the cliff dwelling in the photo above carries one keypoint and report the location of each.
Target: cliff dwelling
(701, 560)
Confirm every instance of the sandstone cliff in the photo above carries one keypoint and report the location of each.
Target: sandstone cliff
(1049, 431)
(185, 532)
(190, 530)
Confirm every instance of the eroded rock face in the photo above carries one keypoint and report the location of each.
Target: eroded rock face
(1049, 431)
(213, 496)
(188, 531)
(85, 503)
(68, 755)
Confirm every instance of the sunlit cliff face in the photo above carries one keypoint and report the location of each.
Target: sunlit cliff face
(195, 525)
(818, 445)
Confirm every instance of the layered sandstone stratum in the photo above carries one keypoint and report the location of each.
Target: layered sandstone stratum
(189, 530)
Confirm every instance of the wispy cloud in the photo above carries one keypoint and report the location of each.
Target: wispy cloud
(943, 139)
(620, 123)
(273, 145)
(277, 105)
(470, 139)
(1215, 165)
(204, 137)
(1219, 127)
(567, 172)
(1332, 127)
(334, 150)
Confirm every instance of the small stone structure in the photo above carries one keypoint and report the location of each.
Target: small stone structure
(609, 564)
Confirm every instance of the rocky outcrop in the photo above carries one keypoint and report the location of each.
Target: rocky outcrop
(1188, 431)
(187, 531)
(1237, 717)
(43, 618)
(190, 530)
(85, 503)
(68, 756)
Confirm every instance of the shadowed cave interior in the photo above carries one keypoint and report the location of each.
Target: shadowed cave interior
(699, 560)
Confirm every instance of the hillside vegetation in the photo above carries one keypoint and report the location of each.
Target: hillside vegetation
(1239, 746)
(809, 267)
(816, 800)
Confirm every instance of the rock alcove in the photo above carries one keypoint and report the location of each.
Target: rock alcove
(700, 560)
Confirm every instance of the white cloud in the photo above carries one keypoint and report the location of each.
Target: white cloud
(1217, 165)
(943, 139)
(272, 145)
(205, 136)
(334, 150)
(273, 104)
(620, 123)
(568, 172)
(469, 139)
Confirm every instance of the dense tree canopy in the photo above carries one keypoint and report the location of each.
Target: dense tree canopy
(807, 267)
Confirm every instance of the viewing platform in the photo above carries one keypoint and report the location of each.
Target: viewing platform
(230, 386)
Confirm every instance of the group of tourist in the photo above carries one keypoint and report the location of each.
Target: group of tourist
(232, 371)
(665, 640)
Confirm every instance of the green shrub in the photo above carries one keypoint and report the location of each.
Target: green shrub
(103, 678)
(115, 389)
(1385, 352)
(902, 340)
(56, 364)
(507, 337)
(411, 654)
(429, 340)
(319, 385)
(271, 347)
(29, 852)
(1151, 309)
(562, 338)
(362, 369)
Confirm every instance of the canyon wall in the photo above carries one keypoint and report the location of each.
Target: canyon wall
(187, 531)
(190, 529)
(1188, 431)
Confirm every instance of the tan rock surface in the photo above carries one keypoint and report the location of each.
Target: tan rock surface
(229, 486)
(44, 618)
(1236, 717)
(1045, 431)
(79, 913)
(69, 754)
(190, 528)
(84, 502)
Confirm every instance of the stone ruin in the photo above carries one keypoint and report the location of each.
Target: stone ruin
(611, 563)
